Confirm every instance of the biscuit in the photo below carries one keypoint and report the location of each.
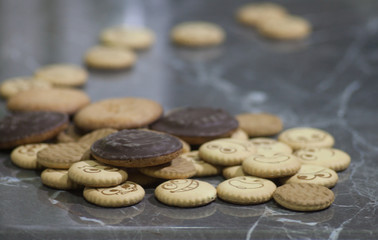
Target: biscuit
(94, 174)
(303, 196)
(126, 194)
(92, 137)
(203, 169)
(178, 168)
(246, 190)
(285, 28)
(197, 34)
(70, 134)
(25, 156)
(239, 134)
(128, 37)
(185, 146)
(233, 171)
(118, 113)
(259, 124)
(256, 13)
(58, 179)
(314, 174)
(273, 165)
(185, 193)
(62, 75)
(304, 137)
(136, 148)
(56, 99)
(145, 181)
(12, 86)
(270, 145)
(109, 58)
(226, 151)
(61, 155)
(30, 127)
(197, 125)
(332, 158)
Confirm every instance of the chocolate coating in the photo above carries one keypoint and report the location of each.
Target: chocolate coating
(135, 144)
(196, 122)
(28, 127)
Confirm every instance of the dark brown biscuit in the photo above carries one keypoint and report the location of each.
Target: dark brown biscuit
(30, 127)
(136, 148)
(197, 125)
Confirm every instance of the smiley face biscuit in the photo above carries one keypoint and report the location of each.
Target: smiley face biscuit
(256, 13)
(314, 174)
(62, 75)
(118, 113)
(128, 37)
(197, 125)
(271, 165)
(270, 145)
(304, 137)
(203, 168)
(246, 190)
(126, 194)
(303, 196)
(12, 86)
(58, 179)
(332, 158)
(136, 148)
(259, 124)
(185, 193)
(109, 58)
(25, 156)
(226, 151)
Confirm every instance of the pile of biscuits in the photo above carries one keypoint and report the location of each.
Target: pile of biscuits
(129, 144)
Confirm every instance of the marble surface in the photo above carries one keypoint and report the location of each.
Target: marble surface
(327, 81)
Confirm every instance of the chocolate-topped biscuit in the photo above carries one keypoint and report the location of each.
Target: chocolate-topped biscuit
(197, 125)
(136, 148)
(30, 127)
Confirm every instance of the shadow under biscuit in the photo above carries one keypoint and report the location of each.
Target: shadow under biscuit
(188, 213)
(243, 211)
(307, 218)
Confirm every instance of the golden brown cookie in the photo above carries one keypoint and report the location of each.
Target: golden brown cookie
(12, 86)
(259, 124)
(303, 196)
(254, 14)
(61, 155)
(197, 34)
(203, 168)
(56, 99)
(111, 58)
(305, 137)
(58, 179)
(128, 37)
(118, 113)
(25, 156)
(70, 134)
(62, 75)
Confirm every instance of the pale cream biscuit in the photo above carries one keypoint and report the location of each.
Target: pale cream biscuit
(285, 28)
(197, 34)
(303, 196)
(63, 100)
(226, 151)
(25, 156)
(12, 86)
(254, 14)
(178, 168)
(185, 193)
(111, 58)
(270, 145)
(271, 165)
(118, 113)
(260, 124)
(92, 137)
(128, 37)
(94, 174)
(233, 171)
(58, 179)
(314, 174)
(332, 158)
(126, 194)
(203, 168)
(239, 134)
(246, 190)
(62, 75)
(304, 137)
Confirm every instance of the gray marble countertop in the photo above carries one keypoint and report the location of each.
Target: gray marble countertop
(327, 81)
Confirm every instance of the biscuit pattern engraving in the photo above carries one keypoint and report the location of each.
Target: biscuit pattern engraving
(181, 185)
(30, 150)
(275, 158)
(313, 154)
(225, 150)
(120, 190)
(310, 176)
(97, 168)
(246, 183)
(306, 137)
